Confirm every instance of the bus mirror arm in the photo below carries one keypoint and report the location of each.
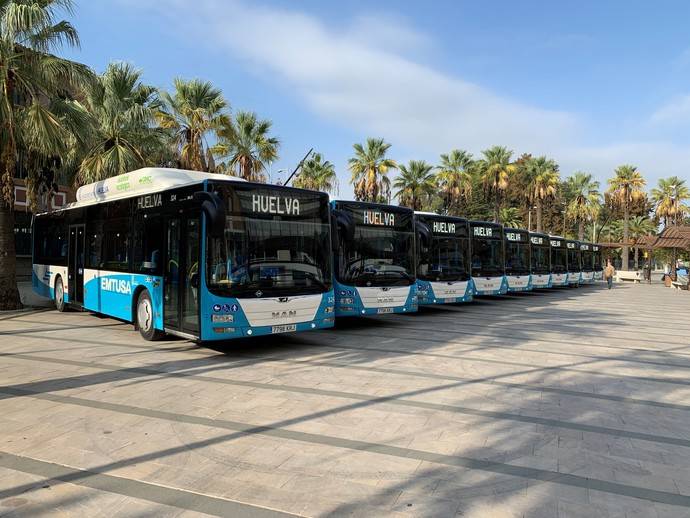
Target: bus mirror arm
(423, 233)
(212, 205)
(342, 227)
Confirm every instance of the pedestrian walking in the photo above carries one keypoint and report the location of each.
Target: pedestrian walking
(609, 272)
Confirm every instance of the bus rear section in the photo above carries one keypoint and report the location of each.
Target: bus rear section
(488, 258)
(517, 252)
(540, 260)
(587, 259)
(374, 259)
(198, 255)
(574, 262)
(597, 263)
(559, 261)
(443, 259)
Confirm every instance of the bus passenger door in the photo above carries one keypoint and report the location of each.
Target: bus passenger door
(181, 281)
(75, 264)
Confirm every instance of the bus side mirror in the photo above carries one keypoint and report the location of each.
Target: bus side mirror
(423, 233)
(342, 227)
(212, 205)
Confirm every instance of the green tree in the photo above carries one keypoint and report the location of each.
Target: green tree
(640, 226)
(510, 217)
(120, 117)
(414, 184)
(542, 183)
(583, 200)
(668, 198)
(369, 168)
(625, 188)
(495, 172)
(317, 175)
(247, 142)
(454, 179)
(191, 113)
(37, 116)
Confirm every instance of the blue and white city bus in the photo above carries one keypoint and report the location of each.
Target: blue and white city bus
(559, 261)
(598, 262)
(443, 259)
(488, 258)
(574, 262)
(518, 260)
(540, 260)
(587, 261)
(202, 256)
(374, 263)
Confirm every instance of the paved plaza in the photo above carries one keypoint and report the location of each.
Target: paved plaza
(568, 403)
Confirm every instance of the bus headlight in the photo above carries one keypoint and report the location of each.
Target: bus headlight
(329, 309)
(222, 318)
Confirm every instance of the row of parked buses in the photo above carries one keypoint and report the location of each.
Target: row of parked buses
(212, 257)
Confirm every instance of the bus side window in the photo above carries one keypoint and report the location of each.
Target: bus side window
(148, 243)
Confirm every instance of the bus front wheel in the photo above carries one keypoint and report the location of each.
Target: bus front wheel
(60, 304)
(144, 317)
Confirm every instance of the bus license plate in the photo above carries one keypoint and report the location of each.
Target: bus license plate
(384, 310)
(284, 329)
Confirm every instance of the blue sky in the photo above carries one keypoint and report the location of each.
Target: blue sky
(591, 84)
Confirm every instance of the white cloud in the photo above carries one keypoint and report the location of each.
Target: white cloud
(361, 75)
(675, 111)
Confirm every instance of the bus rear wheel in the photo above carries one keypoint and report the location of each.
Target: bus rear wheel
(144, 317)
(60, 303)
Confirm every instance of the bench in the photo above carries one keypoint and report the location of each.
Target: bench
(629, 275)
(681, 282)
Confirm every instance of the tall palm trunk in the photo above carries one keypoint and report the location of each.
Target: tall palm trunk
(637, 249)
(497, 205)
(538, 205)
(9, 294)
(626, 234)
(580, 230)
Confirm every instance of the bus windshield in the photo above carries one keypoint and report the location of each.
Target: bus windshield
(517, 258)
(587, 260)
(267, 253)
(487, 257)
(446, 259)
(377, 256)
(558, 260)
(541, 263)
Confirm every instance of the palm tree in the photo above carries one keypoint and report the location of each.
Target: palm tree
(36, 115)
(626, 188)
(248, 144)
(542, 182)
(454, 179)
(121, 113)
(668, 199)
(317, 175)
(496, 170)
(415, 182)
(369, 168)
(583, 200)
(195, 109)
(510, 217)
(640, 226)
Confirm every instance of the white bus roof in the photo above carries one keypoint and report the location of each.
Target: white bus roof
(140, 182)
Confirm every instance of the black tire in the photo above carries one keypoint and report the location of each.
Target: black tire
(143, 317)
(60, 303)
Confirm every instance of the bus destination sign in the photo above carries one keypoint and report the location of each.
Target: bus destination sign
(537, 240)
(514, 236)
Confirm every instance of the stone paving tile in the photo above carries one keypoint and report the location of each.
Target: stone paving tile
(441, 357)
